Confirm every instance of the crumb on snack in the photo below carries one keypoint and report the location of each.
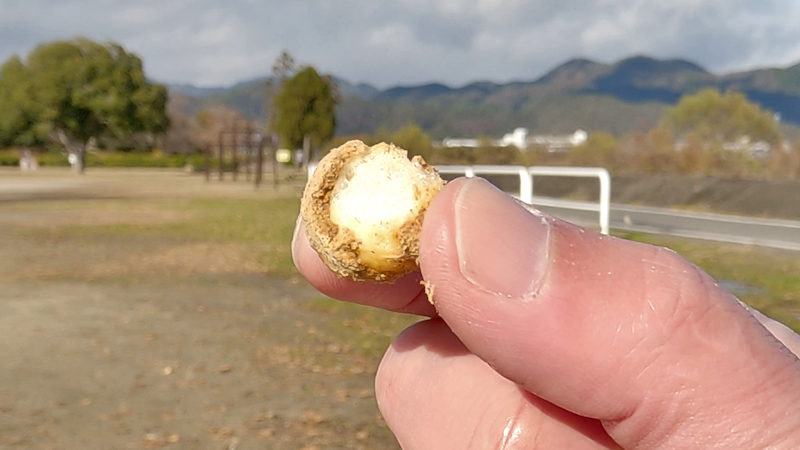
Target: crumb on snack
(429, 289)
(363, 208)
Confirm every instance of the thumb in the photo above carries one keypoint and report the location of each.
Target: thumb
(627, 333)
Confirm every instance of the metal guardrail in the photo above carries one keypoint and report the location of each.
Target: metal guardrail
(526, 185)
(604, 202)
(525, 179)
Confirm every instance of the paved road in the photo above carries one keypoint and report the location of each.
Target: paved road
(784, 234)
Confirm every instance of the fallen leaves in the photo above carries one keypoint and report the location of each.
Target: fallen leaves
(157, 440)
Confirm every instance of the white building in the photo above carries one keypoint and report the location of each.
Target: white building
(558, 143)
(460, 142)
(519, 138)
(757, 149)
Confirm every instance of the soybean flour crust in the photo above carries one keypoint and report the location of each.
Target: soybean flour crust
(362, 210)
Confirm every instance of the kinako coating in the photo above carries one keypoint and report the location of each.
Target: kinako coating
(362, 210)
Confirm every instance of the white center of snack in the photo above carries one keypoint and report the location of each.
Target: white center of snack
(374, 195)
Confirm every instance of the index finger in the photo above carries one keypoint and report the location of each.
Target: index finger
(405, 295)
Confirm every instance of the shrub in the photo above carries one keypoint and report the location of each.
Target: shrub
(57, 158)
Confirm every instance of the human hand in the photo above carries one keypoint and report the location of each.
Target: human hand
(545, 335)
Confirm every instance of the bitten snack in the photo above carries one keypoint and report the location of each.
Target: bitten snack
(362, 210)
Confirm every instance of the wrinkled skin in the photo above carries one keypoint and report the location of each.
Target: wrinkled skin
(544, 335)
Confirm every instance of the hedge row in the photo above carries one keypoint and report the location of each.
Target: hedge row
(108, 159)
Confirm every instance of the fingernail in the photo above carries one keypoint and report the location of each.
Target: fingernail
(294, 244)
(502, 247)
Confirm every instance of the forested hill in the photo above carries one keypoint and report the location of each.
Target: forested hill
(624, 96)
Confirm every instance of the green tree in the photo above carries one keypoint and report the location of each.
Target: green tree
(600, 149)
(785, 163)
(488, 152)
(714, 133)
(653, 151)
(412, 138)
(305, 107)
(17, 107)
(77, 92)
(283, 68)
(722, 117)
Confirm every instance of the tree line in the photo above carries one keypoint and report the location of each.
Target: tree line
(708, 133)
(82, 95)
(79, 94)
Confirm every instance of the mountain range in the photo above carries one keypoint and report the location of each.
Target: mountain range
(628, 95)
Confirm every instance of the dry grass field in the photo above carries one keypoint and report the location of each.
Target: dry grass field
(151, 309)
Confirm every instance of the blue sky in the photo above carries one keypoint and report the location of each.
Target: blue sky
(391, 42)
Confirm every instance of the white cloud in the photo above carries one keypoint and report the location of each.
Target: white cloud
(388, 42)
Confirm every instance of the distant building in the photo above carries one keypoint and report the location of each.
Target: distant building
(460, 142)
(559, 143)
(519, 138)
(744, 144)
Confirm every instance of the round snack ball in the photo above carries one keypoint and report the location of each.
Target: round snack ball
(362, 210)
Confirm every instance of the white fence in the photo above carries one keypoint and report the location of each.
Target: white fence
(527, 176)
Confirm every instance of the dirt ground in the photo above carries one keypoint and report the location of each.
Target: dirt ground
(150, 309)
(115, 335)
